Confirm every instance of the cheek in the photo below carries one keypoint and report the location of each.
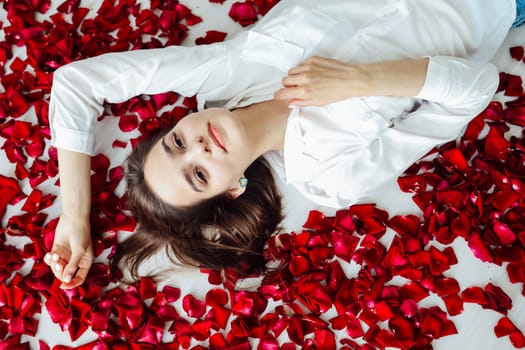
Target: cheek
(226, 172)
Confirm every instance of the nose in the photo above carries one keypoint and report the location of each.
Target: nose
(200, 146)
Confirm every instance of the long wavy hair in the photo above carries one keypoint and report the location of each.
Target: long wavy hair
(216, 233)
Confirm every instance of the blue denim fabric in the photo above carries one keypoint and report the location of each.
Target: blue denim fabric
(520, 13)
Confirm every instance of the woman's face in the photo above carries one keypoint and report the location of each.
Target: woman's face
(204, 155)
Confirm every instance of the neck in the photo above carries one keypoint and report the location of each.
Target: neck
(265, 124)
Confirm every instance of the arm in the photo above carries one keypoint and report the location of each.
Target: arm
(454, 92)
(72, 253)
(81, 88)
(320, 81)
(79, 91)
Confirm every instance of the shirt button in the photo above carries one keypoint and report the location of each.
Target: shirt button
(368, 115)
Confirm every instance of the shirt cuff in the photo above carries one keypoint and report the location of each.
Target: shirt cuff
(72, 140)
(436, 81)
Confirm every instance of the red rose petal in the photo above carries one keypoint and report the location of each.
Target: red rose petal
(414, 184)
(512, 85)
(405, 225)
(402, 328)
(243, 304)
(217, 341)
(440, 261)
(268, 343)
(474, 295)
(414, 291)
(147, 288)
(324, 339)
(344, 245)
(10, 190)
(314, 220)
(295, 330)
(435, 323)
(408, 308)
(497, 299)
(446, 287)
(193, 307)
(504, 233)
(344, 222)
(496, 146)
(244, 13)
(454, 304)
(471, 189)
(479, 248)
(505, 327)
(216, 297)
(219, 316)
(455, 158)
(212, 36)
(57, 307)
(517, 52)
(354, 328)
(128, 123)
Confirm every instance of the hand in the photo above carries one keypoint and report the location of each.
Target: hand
(72, 252)
(319, 81)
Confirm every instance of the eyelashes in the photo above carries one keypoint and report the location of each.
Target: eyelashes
(198, 172)
(177, 141)
(200, 175)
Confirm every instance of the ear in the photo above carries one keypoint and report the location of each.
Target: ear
(235, 190)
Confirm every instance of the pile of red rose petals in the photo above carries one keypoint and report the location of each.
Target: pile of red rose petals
(475, 189)
(472, 189)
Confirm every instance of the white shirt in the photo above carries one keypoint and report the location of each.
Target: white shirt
(332, 153)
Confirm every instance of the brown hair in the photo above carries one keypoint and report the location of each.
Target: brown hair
(216, 233)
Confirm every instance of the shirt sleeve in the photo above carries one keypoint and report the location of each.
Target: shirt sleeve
(454, 92)
(81, 88)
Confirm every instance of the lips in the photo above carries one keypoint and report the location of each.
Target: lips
(216, 137)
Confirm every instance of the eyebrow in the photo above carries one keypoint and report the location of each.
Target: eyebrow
(186, 174)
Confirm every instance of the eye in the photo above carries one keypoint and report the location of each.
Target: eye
(178, 142)
(200, 175)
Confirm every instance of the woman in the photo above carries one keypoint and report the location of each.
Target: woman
(421, 64)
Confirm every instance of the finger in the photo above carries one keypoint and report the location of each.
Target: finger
(76, 281)
(296, 80)
(324, 61)
(290, 93)
(54, 256)
(60, 252)
(300, 68)
(55, 265)
(302, 103)
(72, 266)
(314, 61)
(59, 268)
(48, 259)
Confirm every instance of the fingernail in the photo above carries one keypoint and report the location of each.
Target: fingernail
(56, 257)
(67, 278)
(58, 267)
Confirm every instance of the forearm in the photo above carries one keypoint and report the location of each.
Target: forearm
(395, 78)
(75, 185)
(320, 81)
(81, 88)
